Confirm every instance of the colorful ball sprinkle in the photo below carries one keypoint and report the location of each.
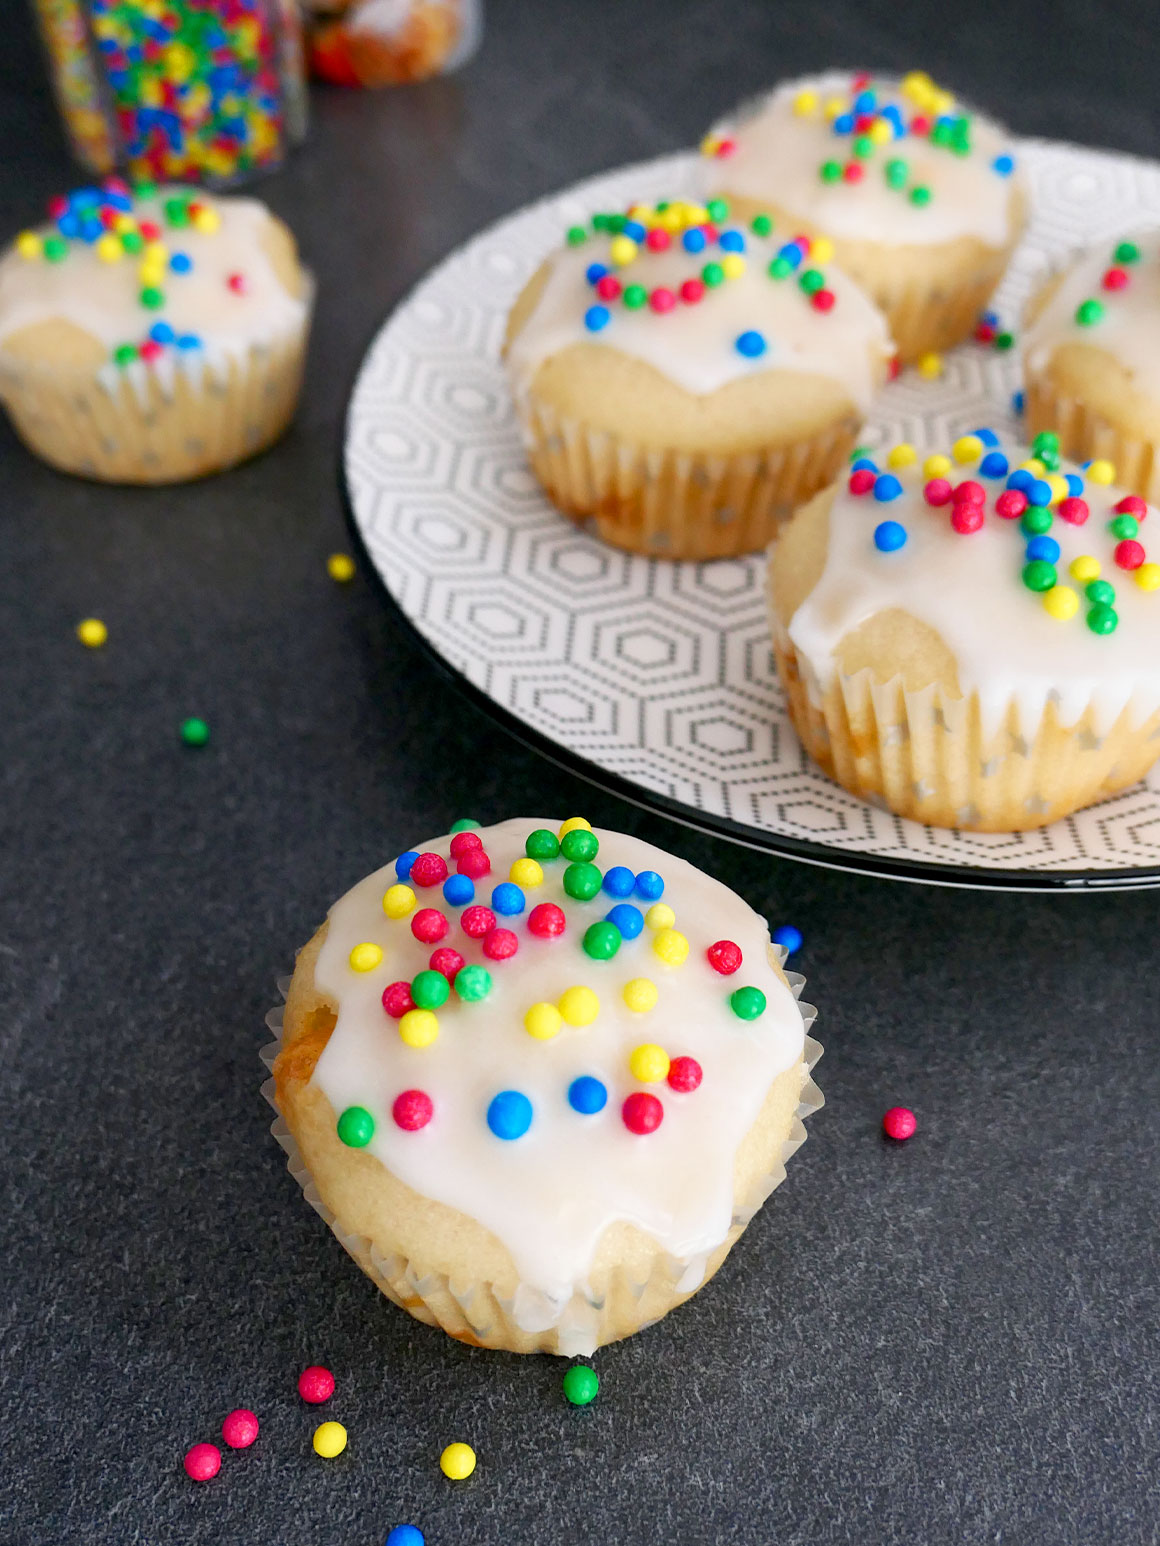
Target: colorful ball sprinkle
(642, 1113)
(92, 633)
(412, 1110)
(203, 1462)
(546, 920)
(580, 1385)
(473, 983)
(457, 1462)
(640, 995)
(509, 1116)
(578, 1005)
(889, 536)
(587, 1095)
(899, 1123)
(724, 957)
(788, 937)
(684, 1075)
(406, 1535)
(356, 1127)
(240, 1428)
(329, 1440)
(316, 1384)
(747, 1003)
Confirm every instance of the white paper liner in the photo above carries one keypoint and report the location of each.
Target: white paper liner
(1085, 434)
(473, 1312)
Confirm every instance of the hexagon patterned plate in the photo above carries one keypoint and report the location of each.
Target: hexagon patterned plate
(651, 677)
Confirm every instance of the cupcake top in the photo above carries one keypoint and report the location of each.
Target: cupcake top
(126, 282)
(704, 301)
(1035, 575)
(1110, 300)
(898, 163)
(551, 1029)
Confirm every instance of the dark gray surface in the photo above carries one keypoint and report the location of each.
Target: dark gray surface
(954, 1341)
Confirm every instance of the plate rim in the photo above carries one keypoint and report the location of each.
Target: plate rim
(964, 875)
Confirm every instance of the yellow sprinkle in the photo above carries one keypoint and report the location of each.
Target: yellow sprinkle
(805, 104)
(155, 252)
(1035, 467)
(573, 824)
(936, 466)
(578, 1006)
(457, 1462)
(622, 250)
(329, 1440)
(92, 632)
(649, 1063)
(365, 957)
(1058, 487)
(967, 448)
(1061, 602)
(930, 366)
(108, 248)
(902, 455)
(941, 101)
(835, 107)
(123, 223)
(419, 1027)
(916, 81)
(671, 220)
(340, 567)
(671, 946)
(732, 265)
(821, 249)
(207, 220)
(1085, 568)
(694, 214)
(543, 1021)
(1148, 576)
(398, 901)
(526, 872)
(709, 145)
(151, 273)
(881, 132)
(1101, 472)
(641, 994)
(660, 916)
(29, 245)
(641, 212)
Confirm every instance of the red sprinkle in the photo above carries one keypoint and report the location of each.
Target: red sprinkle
(1115, 279)
(447, 961)
(804, 243)
(429, 925)
(966, 518)
(920, 124)
(412, 1110)
(202, 1462)
(237, 283)
(397, 1000)
(316, 1384)
(894, 368)
(657, 239)
(938, 492)
(1129, 554)
(500, 944)
(899, 1122)
(240, 1428)
(969, 493)
(662, 300)
(985, 333)
(823, 300)
(150, 230)
(726, 148)
(474, 864)
(1011, 504)
(852, 173)
(684, 1075)
(57, 206)
(642, 1113)
(608, 288)
(428, 870)
(1074, 509)
(692, 291)
(863, 122)
(476, 921)
(546, 920)
(150, 349)
(862, 481)
(464, 842)
(1132, 504)
(724, 957)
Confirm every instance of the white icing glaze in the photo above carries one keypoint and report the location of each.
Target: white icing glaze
(778, 154)
(970, 589)
(695, 346)
(550, 1195)
(103, 298)
(1129, 329)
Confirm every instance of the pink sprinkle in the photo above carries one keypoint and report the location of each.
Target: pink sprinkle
(1074, 509)
(862, 481)
(238, 283)
(724, 957)
(1129, 554)
(474, 864)
(969, 493)
(447, 961)
(938, 492)
(500, 944)
(316, 1384)
(412, 1110)
(57, 206)
(608, 288)
(1131, 504)
(692, 291)
(966, 518)
(1116, 279)
(899, 1123)
(684, 1075)
(464, 842)
(150, 350)
(726, 148)
(662, 300)
(429, 925)
(240, 1428)
(476, 921)
(397, 1000)
(823, 300)
(1011, 504)
(657, 240)
(429, 869)
(202, 1462)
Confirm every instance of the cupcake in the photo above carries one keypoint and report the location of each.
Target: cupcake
(539, 1079)
(973, 641)
(153, 336)
(684, 383)
(1091, 359)
(920, 198)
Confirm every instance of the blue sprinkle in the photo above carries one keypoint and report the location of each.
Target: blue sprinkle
(944, 121)
(1043, 547)
(619, 880)
(893, 114)
(458, 890)
(731, 241)
(510, 1114)
(650, 886)
(634, 230)
(1004, 165)
(1039, 493)
(889, 536)
(406, 1535)
(403, 864)
(1074, 484)
(844, 123)
(886, 488)
(627, 918)
(987, 436)
(990, 318)
(788, 937)
(994, 465)
(595, 272)
(1017, 402)
(189, 341)
(181, 262)
(162, 333)
(585, 1095)
(694, 240)
(1021, 479)
(792, 254)
(751, 344)
(507, 899)
(597, 317)
(68, 224)
(864, 464)
(865, 102)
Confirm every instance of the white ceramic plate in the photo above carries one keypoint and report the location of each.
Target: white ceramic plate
(655, 678)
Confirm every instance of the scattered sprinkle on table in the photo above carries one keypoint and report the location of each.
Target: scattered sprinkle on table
(92, 633)
(580, 1385)
(202, 1462)
(457, 1462)
(194, 732)
(240, 1428)
(789, 938)
(899, 1123)
(340, 567)
(316, 1384)
(329, 1440)
(406, 1535)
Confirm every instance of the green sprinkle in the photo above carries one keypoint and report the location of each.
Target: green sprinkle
(713, 275)
(1004, 341)
(1046, 440)
(1127, 252)
(717, 210)
(356, 1127)
(617, 223)
(601, 940)
(780, 268)
(919, 195)
(635, 296)
(747, 1003)
(177, 211)
(1039, 575)
(1102, 619)
(662, 205)
(542, 845)
(940, 133)
(582, 881)
(812, 280)
(152, 297)
(862, 146)
(473, 983)
(194, 732)
(896, 172)
(132, 241)
(1100, 592)
(580, 1385)
(465, 824)
(600, 222)
(124, 354)
(761, 225)
(579, 845)
(145, 190)
(1124, 526)
(577, 236)
(1050, 460)
(830, 171)
(430, 990)
(859, 451)
(1037, 520)
(55, 248)
(1088, 312)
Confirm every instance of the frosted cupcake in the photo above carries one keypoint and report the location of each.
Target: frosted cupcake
(975, 641)
(541, 1078)
(153, 337)
(683, 383)
(1091, 359)
(922, 199)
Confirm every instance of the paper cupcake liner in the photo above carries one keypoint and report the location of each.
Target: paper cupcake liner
(530, 1321)
(155, 427)
(928, 756)
(677, 504)
(932, 318)
(1085, 434)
